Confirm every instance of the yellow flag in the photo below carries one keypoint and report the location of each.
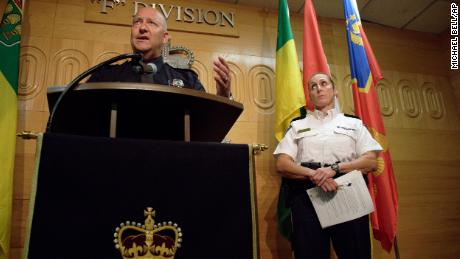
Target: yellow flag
(10, 35)
(290, 98)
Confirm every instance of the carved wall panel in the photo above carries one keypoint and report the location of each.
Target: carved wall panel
(409, 98)
(348, 106)
(32, 72)
(202, 72)
(451, 113)
(433, 100)
(339, 88)
(66, 65)
(454, 81)
(386, 97)
(105, 56)
(262, 83)
(237, 77)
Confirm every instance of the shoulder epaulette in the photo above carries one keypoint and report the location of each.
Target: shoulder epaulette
(299, 118)
(351, 116)
(303, 114)
(295, 119)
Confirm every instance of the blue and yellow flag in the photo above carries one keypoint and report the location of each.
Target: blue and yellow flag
(10, 36)
(365, 74)
(359, 65)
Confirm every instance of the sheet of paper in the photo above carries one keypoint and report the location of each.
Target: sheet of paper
(351, 200)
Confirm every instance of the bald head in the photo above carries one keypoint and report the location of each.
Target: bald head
(151, 12)
(149, 32)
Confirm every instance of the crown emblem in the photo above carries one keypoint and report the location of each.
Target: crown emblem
(148, 240)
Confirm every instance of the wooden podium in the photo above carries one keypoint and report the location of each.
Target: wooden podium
(147, 111)
(91, 191)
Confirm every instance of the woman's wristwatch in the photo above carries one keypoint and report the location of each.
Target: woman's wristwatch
(336, 168)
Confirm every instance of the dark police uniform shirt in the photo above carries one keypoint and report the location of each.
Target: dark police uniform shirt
(165, 75)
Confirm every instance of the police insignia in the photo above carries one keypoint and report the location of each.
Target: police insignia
(177, 83)
(148, 240)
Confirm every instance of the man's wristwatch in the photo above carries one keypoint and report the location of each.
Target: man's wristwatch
(336, 168)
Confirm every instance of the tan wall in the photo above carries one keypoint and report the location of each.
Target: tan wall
(417, 98)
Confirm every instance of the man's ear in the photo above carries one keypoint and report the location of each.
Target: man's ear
(166, 37)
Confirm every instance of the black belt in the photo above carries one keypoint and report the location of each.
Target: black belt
(314, 165)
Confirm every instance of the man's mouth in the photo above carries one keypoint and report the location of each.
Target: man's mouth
(142, 38)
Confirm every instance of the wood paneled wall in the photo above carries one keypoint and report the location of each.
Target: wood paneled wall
(419, 98)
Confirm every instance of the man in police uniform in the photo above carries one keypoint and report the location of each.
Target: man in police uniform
(148, 34)
(314, 151)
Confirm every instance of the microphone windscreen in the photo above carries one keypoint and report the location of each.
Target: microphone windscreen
(151, 68)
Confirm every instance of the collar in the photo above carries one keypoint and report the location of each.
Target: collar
(329, 113)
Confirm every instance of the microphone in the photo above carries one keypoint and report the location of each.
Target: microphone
(74, 84)
(150, 68)
(142, 68)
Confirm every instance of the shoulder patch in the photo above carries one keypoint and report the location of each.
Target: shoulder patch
(351, 116)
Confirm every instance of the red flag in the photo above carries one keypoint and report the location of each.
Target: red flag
(365, 74)
(375, 68)
(314, 59)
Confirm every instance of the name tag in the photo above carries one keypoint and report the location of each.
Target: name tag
(303, 130)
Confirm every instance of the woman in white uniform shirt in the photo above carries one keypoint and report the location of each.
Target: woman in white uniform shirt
(328, 144)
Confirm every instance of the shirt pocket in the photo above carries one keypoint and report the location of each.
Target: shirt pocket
(344, 143)
(306, 143)
(351, 133)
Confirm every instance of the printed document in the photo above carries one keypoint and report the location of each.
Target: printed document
(351, 200)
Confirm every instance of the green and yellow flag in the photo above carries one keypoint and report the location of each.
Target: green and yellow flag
(10, 36)
(290, 98)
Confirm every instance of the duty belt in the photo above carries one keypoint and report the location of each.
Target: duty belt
(314, 165)
(299, 186)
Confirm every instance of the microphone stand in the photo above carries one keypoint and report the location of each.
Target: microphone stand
(74, 84)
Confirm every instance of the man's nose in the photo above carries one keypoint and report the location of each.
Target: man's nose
(143, 27)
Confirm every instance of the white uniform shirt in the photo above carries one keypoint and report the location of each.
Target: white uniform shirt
(327, 139)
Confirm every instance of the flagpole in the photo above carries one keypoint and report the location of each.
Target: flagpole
(396, 248)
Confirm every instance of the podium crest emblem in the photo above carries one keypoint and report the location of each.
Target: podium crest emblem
(148, 240)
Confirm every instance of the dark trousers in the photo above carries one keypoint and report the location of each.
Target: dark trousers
(351, 240)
